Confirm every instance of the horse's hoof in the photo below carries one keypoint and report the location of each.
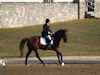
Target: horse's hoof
(45, 64)
(62, 64)
(27, 65)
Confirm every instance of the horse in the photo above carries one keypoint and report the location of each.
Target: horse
(34, 44)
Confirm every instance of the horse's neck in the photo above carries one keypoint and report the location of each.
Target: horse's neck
(57, 38)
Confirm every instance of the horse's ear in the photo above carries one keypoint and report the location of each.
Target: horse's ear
(67, 30)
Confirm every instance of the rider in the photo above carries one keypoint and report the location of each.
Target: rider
(47, 33)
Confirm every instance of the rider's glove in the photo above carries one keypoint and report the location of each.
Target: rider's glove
(49, 32)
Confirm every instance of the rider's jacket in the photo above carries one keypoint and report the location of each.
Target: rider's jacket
(46, 30)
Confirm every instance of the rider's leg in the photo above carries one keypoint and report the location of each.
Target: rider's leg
(48, 40)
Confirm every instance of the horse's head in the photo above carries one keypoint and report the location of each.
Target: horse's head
(61, 34)
(65, 35)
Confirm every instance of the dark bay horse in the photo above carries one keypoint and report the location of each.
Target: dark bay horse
(34, 44)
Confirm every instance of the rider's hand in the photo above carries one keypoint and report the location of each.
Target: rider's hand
(52, 32)
(49, 32)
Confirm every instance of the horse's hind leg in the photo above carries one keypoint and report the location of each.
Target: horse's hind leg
(27, 55)
(37, 55)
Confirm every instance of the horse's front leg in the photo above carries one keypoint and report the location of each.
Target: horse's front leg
(37, 55)
(62, 63)
(60, 57)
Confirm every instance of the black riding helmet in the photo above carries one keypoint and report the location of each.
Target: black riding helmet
(47, 20)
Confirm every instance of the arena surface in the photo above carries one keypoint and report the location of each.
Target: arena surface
(54, 60)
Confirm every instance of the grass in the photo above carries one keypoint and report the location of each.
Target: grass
(69, 69)
(83, 39)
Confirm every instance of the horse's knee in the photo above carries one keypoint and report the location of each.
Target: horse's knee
(37, 56)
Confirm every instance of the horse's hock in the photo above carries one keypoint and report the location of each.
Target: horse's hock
(24, 14)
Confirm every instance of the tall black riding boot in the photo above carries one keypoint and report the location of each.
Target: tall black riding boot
(49, 44)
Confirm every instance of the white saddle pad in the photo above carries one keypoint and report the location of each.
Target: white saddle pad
(43, 41)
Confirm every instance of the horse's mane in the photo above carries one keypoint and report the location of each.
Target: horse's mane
(59, 32)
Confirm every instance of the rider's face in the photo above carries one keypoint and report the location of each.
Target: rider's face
(48, 23)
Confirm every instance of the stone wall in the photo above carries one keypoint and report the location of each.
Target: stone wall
(97, 8)
(24, 14)
(82, 9)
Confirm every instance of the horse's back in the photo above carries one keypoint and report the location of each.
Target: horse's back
(35, 39)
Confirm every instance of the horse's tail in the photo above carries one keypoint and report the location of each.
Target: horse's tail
(21, 46)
